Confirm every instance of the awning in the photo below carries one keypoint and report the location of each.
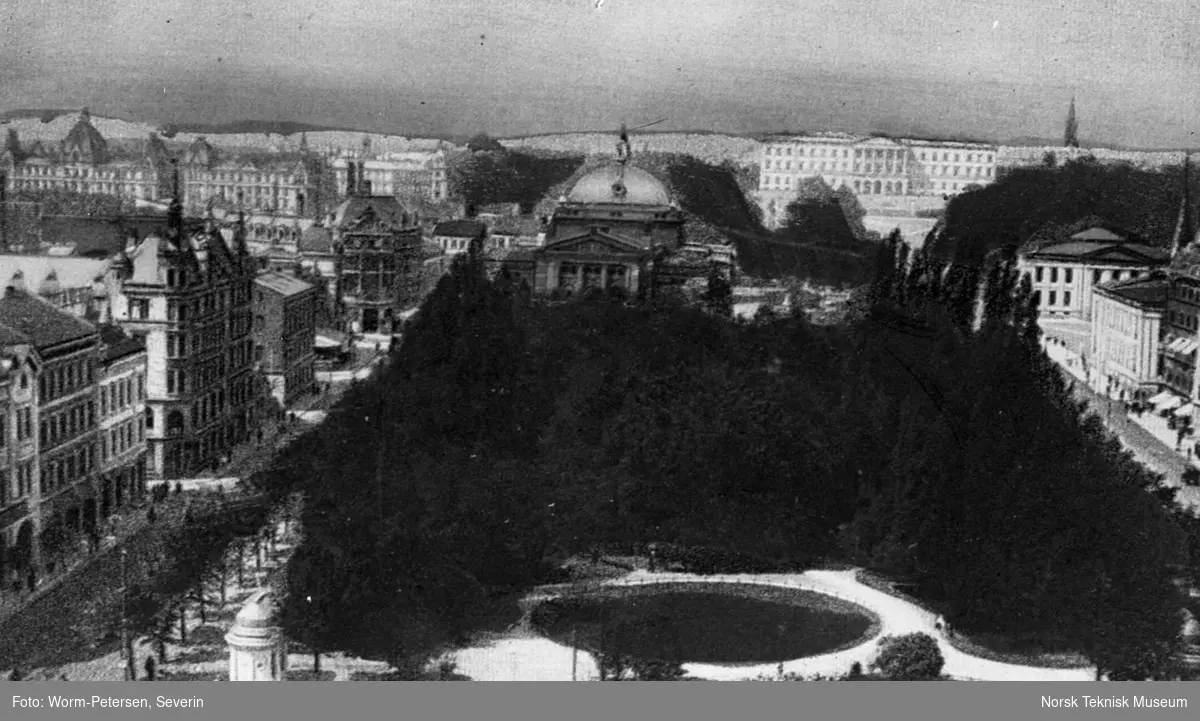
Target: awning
(1170, 404)
(1182, 346)
(1160, 398)
(1188, 347)
(1184, 410)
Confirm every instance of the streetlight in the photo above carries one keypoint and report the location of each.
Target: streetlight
(126, 649)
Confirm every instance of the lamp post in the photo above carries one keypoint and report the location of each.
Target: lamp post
(126, 646)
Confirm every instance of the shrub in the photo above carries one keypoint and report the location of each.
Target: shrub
(912, 657)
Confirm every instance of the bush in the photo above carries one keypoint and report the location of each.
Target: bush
(912, 657)
(704, 560)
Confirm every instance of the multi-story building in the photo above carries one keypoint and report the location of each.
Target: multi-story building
(281, 184)
(187, 294)
(1065, 273)
(374, 250)
(285, 184)
(618, 228)
(19, 494)
(122, 407)
(1181, 334)
(67, 424)
(410, 177)
(84, 163)
(285, 313)
(870, 166)
(1126, 332)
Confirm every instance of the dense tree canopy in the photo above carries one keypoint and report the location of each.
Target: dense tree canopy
(1027, 200)
(927, 438)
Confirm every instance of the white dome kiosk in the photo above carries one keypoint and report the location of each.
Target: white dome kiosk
(257, 649)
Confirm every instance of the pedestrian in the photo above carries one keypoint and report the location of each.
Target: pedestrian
(939, 624)
(151, 667)
(151, 515)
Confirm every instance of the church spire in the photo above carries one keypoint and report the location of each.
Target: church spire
(1071, 136)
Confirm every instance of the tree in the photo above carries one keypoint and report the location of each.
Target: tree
(911, 657)
(718, 296)
(1071, 135)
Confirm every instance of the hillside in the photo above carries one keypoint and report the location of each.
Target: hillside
(1032, 200)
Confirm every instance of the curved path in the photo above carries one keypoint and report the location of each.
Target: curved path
(529, 657)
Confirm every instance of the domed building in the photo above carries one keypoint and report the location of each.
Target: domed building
(619, 228)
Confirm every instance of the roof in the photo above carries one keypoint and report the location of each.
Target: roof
(601, 186)
(315, 240)
(117, 344)
(69, 272)
(38, 321)
(1100, 235)
(1103, 252)
(461, 229)
(1150, 292)
(284, 285)
(384, 207)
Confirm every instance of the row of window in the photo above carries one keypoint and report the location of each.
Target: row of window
(122, 394)
(1183, 320)
(19, 486)
(65, 379)
(883, 153)
(62, 472)
(123, 437)
(1052, 298)
(65, 425)
(23, 423)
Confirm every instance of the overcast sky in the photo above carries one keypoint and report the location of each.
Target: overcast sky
(998, 69)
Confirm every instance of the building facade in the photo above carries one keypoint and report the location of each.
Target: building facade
(618, 229)
(187, 294)
(409, 177)
(374, 250)
(870, 166)
(285, 314)
(454, 237)
(122, 408)
(66, 510)
(20, 523)
(281, 183)
(1127, 328)
(83, 163)
(1065, 273)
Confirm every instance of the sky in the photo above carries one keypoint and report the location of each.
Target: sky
(998, 70)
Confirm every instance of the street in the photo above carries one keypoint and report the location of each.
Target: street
(1150, 451)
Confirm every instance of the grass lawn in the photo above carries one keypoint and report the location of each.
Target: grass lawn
(726, 624)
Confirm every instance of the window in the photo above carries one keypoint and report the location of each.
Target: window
(24, 424)
(1037, 272)
(1037, 297)
(1069, 273)
(1066, 297)
(1053, 298)
(1096, 274)
(1054, 275)
(139, 308)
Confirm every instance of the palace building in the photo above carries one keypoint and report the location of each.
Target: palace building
(284, 184)
(870, 166)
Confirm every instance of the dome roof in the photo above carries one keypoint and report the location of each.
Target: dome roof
(601, 186)
(254, 619)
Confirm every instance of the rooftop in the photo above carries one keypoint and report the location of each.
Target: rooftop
(461, 229)
(284, 285)
(1141, 291)
(39, 322)
(117, 344)
(69, 272)
(604, 184)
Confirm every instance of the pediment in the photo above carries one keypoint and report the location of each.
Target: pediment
(1119, 255)
(594, 243)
